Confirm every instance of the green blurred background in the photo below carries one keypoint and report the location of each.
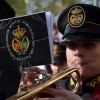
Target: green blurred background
(23, 7)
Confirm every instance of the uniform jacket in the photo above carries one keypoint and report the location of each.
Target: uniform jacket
(88, 90)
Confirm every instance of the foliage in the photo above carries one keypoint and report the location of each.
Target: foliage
(55, 6)
(18, 6)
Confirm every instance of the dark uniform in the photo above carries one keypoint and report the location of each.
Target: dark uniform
(81, 22)
(87, 89)
(10, 77)
(59, 55)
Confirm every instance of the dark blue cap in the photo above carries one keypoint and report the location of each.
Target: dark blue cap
(79, 22)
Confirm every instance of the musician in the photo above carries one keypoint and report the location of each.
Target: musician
(9, 78)
(80, 26)
(59, 54)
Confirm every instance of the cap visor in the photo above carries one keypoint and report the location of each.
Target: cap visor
(80, 37)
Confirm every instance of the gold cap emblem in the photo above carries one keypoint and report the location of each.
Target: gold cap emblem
(76, 16)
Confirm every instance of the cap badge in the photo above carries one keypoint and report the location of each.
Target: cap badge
(76, 16)
(57, 50)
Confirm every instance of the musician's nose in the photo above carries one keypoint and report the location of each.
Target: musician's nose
(79, 52)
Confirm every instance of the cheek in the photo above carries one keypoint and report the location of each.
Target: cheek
(70, 56)
(93, 63)
(93, 57)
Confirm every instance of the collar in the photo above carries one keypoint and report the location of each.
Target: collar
(89, 84)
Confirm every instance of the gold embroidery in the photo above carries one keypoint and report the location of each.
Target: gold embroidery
(71, 81)
(76, 16)
(94, 82)
(20, 42)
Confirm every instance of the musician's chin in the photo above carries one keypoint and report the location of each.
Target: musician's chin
(83, 73)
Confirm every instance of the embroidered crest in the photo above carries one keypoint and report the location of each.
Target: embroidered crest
(20, 42)
(57, 50)
(76, 16)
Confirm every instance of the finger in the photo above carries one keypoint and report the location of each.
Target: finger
(29, 84)
(60, 88)
(48, 91)
(31, 76)
(22, 77)
(46, 99)
(37, 70)
(19, 89)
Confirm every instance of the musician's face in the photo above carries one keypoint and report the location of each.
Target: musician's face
(86, 56)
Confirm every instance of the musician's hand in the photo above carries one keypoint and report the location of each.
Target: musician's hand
(60, 94)
(31, 78)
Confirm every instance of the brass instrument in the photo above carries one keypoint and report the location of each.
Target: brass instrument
(25, 95)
